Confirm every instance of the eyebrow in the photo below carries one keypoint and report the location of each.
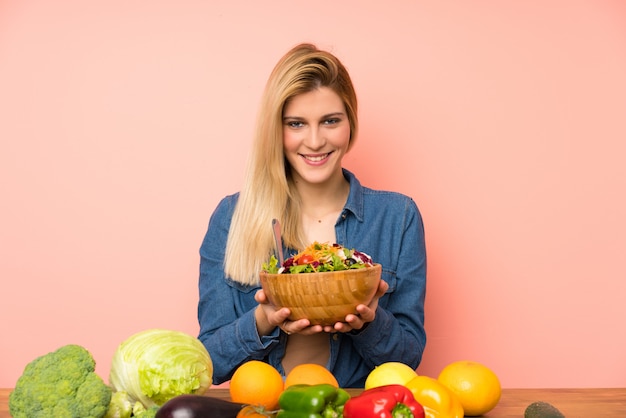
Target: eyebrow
(327, 116)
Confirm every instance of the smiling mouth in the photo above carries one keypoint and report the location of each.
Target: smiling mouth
(315, 158)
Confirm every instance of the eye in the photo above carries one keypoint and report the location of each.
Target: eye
(294, 124)
(332, 121)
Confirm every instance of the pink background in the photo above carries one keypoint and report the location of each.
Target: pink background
(122, 124)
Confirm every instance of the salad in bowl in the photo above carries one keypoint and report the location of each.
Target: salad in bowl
(319, 258)
(323, 283)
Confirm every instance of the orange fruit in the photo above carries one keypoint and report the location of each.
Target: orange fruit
(256, 383)
(250, 411)
(310, 374)
(390, 373)
(476, 386)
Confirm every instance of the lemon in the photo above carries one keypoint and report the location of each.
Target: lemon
(476, 386)
(390, 373)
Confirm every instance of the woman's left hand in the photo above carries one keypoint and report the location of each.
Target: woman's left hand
(366, 313)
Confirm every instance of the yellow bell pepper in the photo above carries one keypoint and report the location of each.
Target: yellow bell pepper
(438, 401)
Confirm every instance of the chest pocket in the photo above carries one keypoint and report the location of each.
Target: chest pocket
(243, 296)
(244, 288)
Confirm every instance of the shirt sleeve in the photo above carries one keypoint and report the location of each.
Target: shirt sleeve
(397, 333)
(226, 309)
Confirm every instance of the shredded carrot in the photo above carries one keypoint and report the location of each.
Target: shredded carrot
(319, 252)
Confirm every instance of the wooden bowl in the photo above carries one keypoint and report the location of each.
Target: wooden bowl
(323, 298)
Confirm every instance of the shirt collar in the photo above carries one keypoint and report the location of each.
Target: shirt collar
(355, 198)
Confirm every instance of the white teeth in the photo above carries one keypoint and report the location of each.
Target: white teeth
(317, 158)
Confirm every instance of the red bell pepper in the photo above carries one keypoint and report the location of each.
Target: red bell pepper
(389, 401)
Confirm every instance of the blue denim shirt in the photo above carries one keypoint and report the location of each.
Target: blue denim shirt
(385, 225)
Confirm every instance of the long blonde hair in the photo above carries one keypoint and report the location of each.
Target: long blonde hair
(268, 190)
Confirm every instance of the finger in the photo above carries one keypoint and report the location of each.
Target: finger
(366, 313)
(355, 322)
(329, 328)
(282, 315)
(310, 330)
(291, 327)
(284, 328)
(345, 326)
(260, 296)
(383, 286)
(354, 319)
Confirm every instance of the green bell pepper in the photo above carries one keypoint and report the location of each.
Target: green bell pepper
(312, 401)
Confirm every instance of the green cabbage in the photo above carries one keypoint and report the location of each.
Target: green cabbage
(156, 365)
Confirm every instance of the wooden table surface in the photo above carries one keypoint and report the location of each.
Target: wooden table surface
(583, 403)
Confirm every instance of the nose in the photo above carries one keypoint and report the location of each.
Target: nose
(315, 138)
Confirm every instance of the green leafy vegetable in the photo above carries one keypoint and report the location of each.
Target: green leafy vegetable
(155, 365)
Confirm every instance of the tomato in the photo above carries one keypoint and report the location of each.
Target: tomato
(305, 259)
(252, 411)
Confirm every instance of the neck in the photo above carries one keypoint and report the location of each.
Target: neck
(320, 200)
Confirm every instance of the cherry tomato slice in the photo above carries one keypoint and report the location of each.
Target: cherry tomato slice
(305, 259)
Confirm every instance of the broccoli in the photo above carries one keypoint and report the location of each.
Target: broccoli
(140, 411)
(60, 384)
(147, 413)
(120, 406)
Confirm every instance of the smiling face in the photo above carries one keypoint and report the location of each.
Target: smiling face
(316, 136)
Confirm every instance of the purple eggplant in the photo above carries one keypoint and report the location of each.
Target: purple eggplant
(198, 406)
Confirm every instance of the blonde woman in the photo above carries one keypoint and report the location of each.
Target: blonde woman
(307, 123)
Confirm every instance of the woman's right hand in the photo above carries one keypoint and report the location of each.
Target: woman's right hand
(269, 317)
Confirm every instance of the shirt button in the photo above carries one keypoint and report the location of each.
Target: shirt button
(335, 337)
